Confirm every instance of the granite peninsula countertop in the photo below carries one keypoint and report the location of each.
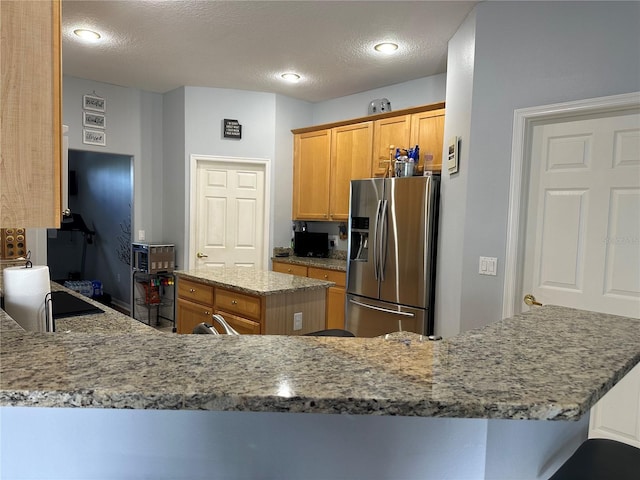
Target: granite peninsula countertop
(552, 363)
(109, 321)
(251, 280)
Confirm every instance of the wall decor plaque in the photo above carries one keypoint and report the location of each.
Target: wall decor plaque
(93, 102)
(93, 120)
(232, 128)
(94, 137)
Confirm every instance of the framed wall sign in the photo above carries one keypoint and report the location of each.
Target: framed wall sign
(231, 128)
(93, 120)
(94, 137)
(92, 102)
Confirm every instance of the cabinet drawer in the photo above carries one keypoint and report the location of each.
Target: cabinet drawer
(242, 325)
(340, 278)
(240, 303)
(190, 314)
(195, 291)
(282, 267)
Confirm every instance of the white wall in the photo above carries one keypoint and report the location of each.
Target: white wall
(527, 54)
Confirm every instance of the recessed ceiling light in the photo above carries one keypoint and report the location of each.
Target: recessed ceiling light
(291, 77)
(85, 34)
(386, 47)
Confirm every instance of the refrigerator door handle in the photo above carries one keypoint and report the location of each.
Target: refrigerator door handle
(376, 261)
(380, 309)
(383, 238)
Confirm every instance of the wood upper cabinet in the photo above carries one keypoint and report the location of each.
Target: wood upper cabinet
(325, 162)
(427, 131)
(31, 132)
(351, 148)
(389, 134)
(311, 175)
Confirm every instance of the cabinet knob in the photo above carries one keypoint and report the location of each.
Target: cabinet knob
(207, 313)
(326, 276)
(234, 302)
(289, 270)
(192, 290)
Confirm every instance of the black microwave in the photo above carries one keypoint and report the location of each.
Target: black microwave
(311, 244)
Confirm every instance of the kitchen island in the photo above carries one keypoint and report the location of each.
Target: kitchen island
(518, 388)
(252, 301)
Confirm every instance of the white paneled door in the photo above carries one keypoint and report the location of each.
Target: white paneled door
(230, 214)
(583, 236)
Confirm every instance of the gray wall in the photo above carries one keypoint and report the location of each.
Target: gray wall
(527, 54)
(133, 127)
(290, 114)
(453, 189)
(422, 91)
(193, 125)
(175, 181)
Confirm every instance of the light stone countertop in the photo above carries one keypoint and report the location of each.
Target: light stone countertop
(109, 321)
(252, 280)
(553, 363)
(337, 264)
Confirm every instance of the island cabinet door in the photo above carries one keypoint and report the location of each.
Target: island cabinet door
(190, 314)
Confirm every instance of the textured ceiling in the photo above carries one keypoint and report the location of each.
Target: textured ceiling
(161, 45)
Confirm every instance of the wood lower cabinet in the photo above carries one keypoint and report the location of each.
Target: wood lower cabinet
(335, 295)
(290, 268)
(190, 314)
(195, 305)
(31, 123)
(336, 298)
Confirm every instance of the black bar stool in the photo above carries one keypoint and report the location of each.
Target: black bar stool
(601, 459)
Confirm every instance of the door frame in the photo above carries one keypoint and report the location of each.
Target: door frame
(198, 159)
(524, 120)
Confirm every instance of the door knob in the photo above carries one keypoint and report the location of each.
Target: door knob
(201, 255)
(531, 300)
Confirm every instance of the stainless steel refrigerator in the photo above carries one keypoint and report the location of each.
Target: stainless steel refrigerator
(392, 255)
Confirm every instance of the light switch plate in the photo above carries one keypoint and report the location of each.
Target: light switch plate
(488, 266)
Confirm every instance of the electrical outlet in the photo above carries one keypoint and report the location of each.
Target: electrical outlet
(140, 234)
(333, 240)
(297, 321)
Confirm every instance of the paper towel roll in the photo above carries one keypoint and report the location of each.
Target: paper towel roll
(25, 294)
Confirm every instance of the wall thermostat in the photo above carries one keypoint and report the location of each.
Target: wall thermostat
(452, 157)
